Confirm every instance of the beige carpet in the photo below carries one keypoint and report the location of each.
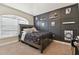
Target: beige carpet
(19, 48)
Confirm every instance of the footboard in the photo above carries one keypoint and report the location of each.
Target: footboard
(37, 39)
(44, 43)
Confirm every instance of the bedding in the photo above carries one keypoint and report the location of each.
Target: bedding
(35, 37)
(23, 35)
(29, 35)
(30, 29)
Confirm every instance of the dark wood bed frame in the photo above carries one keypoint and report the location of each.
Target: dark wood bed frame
(44, 42)
(42, 46)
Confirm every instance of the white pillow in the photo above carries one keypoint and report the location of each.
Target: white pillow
(33, 29)
(23, 35)
(27, 30)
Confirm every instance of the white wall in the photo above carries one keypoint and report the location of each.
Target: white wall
(5, 10)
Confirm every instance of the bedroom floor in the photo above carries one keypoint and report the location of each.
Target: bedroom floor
(18, 48)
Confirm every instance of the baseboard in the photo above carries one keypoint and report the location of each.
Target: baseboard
(62, 42)
(8, 37)
(6, 43)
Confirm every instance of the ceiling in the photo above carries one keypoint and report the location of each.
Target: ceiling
(37, 8)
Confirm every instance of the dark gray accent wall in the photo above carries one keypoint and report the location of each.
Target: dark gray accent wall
(57, 17)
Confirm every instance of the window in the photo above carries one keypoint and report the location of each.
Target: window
(9, 25)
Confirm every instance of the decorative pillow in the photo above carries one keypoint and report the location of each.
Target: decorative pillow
(23, 35)
(29, 30)
(33, 29)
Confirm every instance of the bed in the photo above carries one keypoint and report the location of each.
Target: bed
(36, 39)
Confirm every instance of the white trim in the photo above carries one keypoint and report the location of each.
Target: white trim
(6, 43)
(8, 37)
(69, 22)
(62, 42)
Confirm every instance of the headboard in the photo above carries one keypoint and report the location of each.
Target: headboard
(22, 26)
